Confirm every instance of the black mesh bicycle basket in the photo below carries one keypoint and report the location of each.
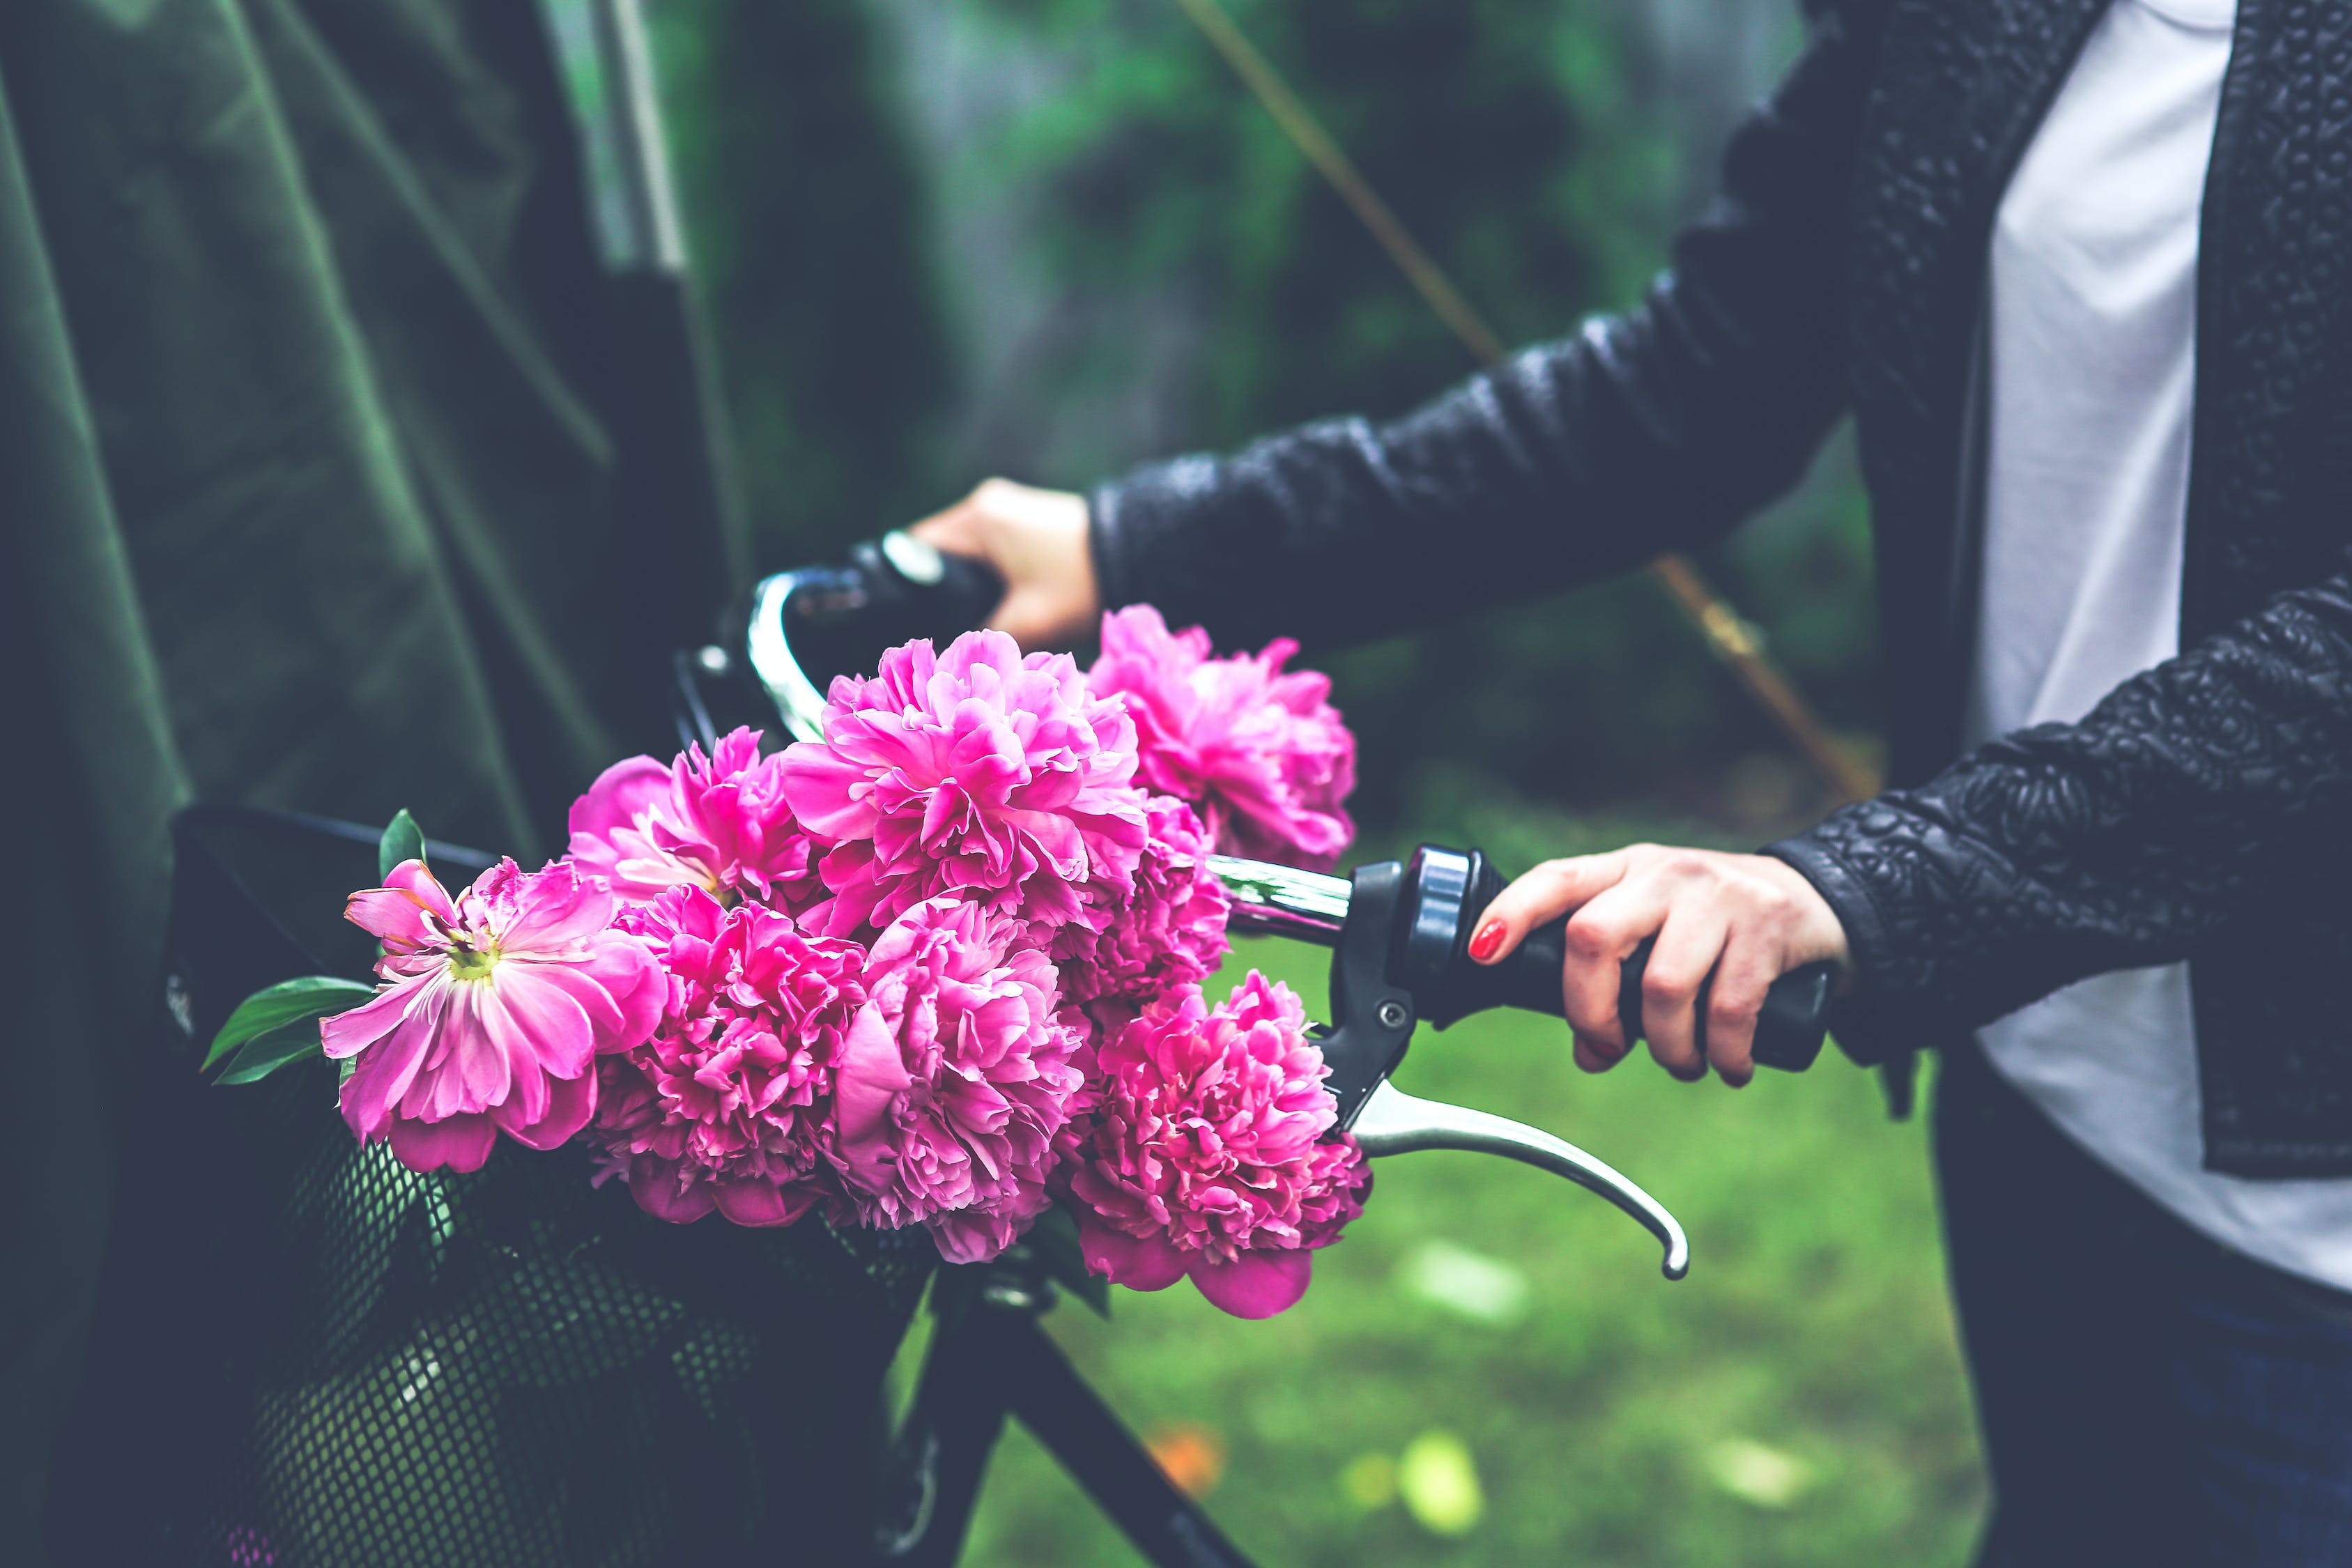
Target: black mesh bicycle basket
(307, 1356)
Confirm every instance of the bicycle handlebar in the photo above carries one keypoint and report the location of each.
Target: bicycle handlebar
(1447, 892)
(1436, 905)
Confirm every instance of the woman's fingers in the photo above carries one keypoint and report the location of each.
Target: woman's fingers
(1727, 926)
(1689, 940)
(1546, 893)
(1037, 540)
(1750, 962)
(1602, 934)
(1595, 1057)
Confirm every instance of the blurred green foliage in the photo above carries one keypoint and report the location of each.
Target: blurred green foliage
(1531, 147)
(805, 211)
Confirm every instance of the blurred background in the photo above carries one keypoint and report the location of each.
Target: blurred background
(943, 239)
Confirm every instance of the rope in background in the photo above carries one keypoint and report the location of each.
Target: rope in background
(1727, 635)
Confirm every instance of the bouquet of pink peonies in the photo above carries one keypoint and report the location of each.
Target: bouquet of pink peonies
(941, 967)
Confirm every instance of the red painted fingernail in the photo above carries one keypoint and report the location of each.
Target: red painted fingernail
(1488, 941)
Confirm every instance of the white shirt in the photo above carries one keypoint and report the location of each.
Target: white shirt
(2092, 366)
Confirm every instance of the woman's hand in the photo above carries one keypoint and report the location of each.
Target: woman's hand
(1747, 919)
(1037, 540)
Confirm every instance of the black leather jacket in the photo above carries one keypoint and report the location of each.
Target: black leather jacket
(2202, 811)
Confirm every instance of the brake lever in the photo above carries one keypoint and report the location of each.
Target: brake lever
(1395, 1123)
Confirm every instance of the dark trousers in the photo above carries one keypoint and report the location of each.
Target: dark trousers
(2146, 1396)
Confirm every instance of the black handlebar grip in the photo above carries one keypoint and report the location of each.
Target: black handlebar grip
(1790, 1027)
(1446, 894)
(841, 620)
(923, 592)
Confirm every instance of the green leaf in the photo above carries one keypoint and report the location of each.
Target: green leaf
(1055, 1238)
(264, 1054)
(403, 840)
(287, 1002)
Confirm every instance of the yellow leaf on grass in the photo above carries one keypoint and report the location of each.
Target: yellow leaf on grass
(1440, 1484)
(1369, 1482)
(1757, 1474)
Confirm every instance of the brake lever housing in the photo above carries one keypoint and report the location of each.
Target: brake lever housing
(1387, 925)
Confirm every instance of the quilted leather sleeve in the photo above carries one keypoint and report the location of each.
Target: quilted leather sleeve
(1647, 431)
(2201, 800)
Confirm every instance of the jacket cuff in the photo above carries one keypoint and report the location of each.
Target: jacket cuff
(1107, 543)
(1155, 536)
(1866, 1021)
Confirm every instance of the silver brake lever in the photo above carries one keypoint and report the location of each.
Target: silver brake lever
(1394, 1122)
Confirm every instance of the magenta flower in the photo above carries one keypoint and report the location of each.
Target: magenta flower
(1205, 1157)
(1261, 752)
(724, 1106)
(1169, 933)
(719, 823)
(976, 772)
(949, 1118)
(499, 1001)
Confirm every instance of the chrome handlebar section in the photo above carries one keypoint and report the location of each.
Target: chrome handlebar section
(798, 702)
(1280, 901)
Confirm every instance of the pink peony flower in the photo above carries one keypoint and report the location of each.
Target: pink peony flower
(719, 823)
(975, 771)
(500, 1003)
(949, 1118)
(724, 1106)
(1168, 935)
(1261, 752)
(1205, 1157)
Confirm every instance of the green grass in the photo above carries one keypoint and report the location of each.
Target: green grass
(1608, 1423)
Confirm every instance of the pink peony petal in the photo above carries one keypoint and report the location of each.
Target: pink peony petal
(974, 1235)
(348, 1034)
(1255, 1284)
(640, 1005)
(727, 1103)
(1208, 1138)
(461, 1143)
(661, 1193)
(761, 1202)
(554, 910)
(387, 1067)
(619, 795)
(531, 1016)
(867, 1080)
(959, 1121)
(821, 786)
(977, 772)
(1257, 749)
(570, 1103)
(718, 822)
(415, 879)
(1140, 1263)
(393, 917)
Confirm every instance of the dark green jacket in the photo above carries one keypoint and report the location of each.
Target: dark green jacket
(306, 500)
